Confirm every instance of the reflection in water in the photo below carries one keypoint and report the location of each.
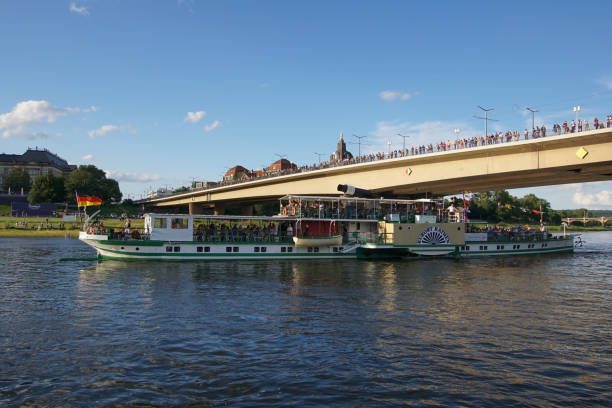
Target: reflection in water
(491, 331)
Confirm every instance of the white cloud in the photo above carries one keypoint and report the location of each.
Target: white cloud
(103, 130)
(389, 95)
(592, 200)
(606, 81)
(79, 10)
(88, 157)
(194, 117)
(212, 126)
(30, 113)
(132, 177)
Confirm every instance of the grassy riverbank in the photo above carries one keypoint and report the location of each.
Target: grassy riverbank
(51, 227)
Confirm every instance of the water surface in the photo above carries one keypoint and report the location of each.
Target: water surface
(514, 331)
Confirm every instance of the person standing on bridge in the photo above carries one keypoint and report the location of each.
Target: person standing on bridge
(526, 134)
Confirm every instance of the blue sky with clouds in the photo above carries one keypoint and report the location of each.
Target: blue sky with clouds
(159, 93)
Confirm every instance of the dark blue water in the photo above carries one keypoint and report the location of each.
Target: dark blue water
(516, 331)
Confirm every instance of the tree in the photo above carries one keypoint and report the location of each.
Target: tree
(47, 189)
(90, 180)
(16, 179)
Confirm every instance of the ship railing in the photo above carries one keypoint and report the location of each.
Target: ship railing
(519, 236)
(122, 233)
(231, 236)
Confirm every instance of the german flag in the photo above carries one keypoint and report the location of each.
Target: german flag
(88, 201)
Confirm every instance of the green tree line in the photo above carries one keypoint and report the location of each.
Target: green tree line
(86, 180)
(502, 207)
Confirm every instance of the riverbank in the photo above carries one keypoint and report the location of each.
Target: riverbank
(51, 227)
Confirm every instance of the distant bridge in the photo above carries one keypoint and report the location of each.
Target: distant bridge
(569, 158)
(584, 220)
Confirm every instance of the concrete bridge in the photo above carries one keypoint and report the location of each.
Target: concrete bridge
(584, 220)
(569, 158)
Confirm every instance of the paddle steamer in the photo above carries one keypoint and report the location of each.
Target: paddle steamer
(315, 227)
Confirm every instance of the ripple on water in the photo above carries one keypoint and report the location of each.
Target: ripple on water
(480, 332)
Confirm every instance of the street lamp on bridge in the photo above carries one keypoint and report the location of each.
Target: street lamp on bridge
(404, 137)
(577, 109)
(533, 111)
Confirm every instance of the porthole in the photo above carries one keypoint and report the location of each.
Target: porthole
(138, 249)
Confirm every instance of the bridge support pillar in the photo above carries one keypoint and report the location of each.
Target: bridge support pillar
(196, 208)
(247, 210)
(219, 209)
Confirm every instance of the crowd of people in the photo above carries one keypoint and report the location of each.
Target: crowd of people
(444, 145)
(221, 232)
(515, 233)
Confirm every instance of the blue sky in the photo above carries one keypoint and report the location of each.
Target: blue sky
(160, 93)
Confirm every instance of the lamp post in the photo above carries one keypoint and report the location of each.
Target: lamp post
(457, 131)
(359, 143)
(486, 118)
(533, 111)
(319, 156)
(577, 109)
(404, 137)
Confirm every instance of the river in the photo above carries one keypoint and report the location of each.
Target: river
(509, 331)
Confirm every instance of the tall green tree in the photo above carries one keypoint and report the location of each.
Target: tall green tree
(47, 189)
(90, 180)
(16, 179)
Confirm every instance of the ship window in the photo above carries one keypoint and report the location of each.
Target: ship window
(309, 249)
(236, 249)
(283, 249)
(168, 249)
(316, 249)
(341, 249)
(228, 249)
(335, 249)
(138, 249)
(502, 247)
(264, 249)
(518, 247)
(289, 249)
(206, 249)
(467, 247)
(178, 223)
(200, 249)
(177, 249)
(256, 249)
(160, 223)
(486, 247)
(481, 247)
(122, 247)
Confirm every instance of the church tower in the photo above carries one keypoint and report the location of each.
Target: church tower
(341, 153)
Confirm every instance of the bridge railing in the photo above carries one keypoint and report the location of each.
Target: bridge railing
(443, 146)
